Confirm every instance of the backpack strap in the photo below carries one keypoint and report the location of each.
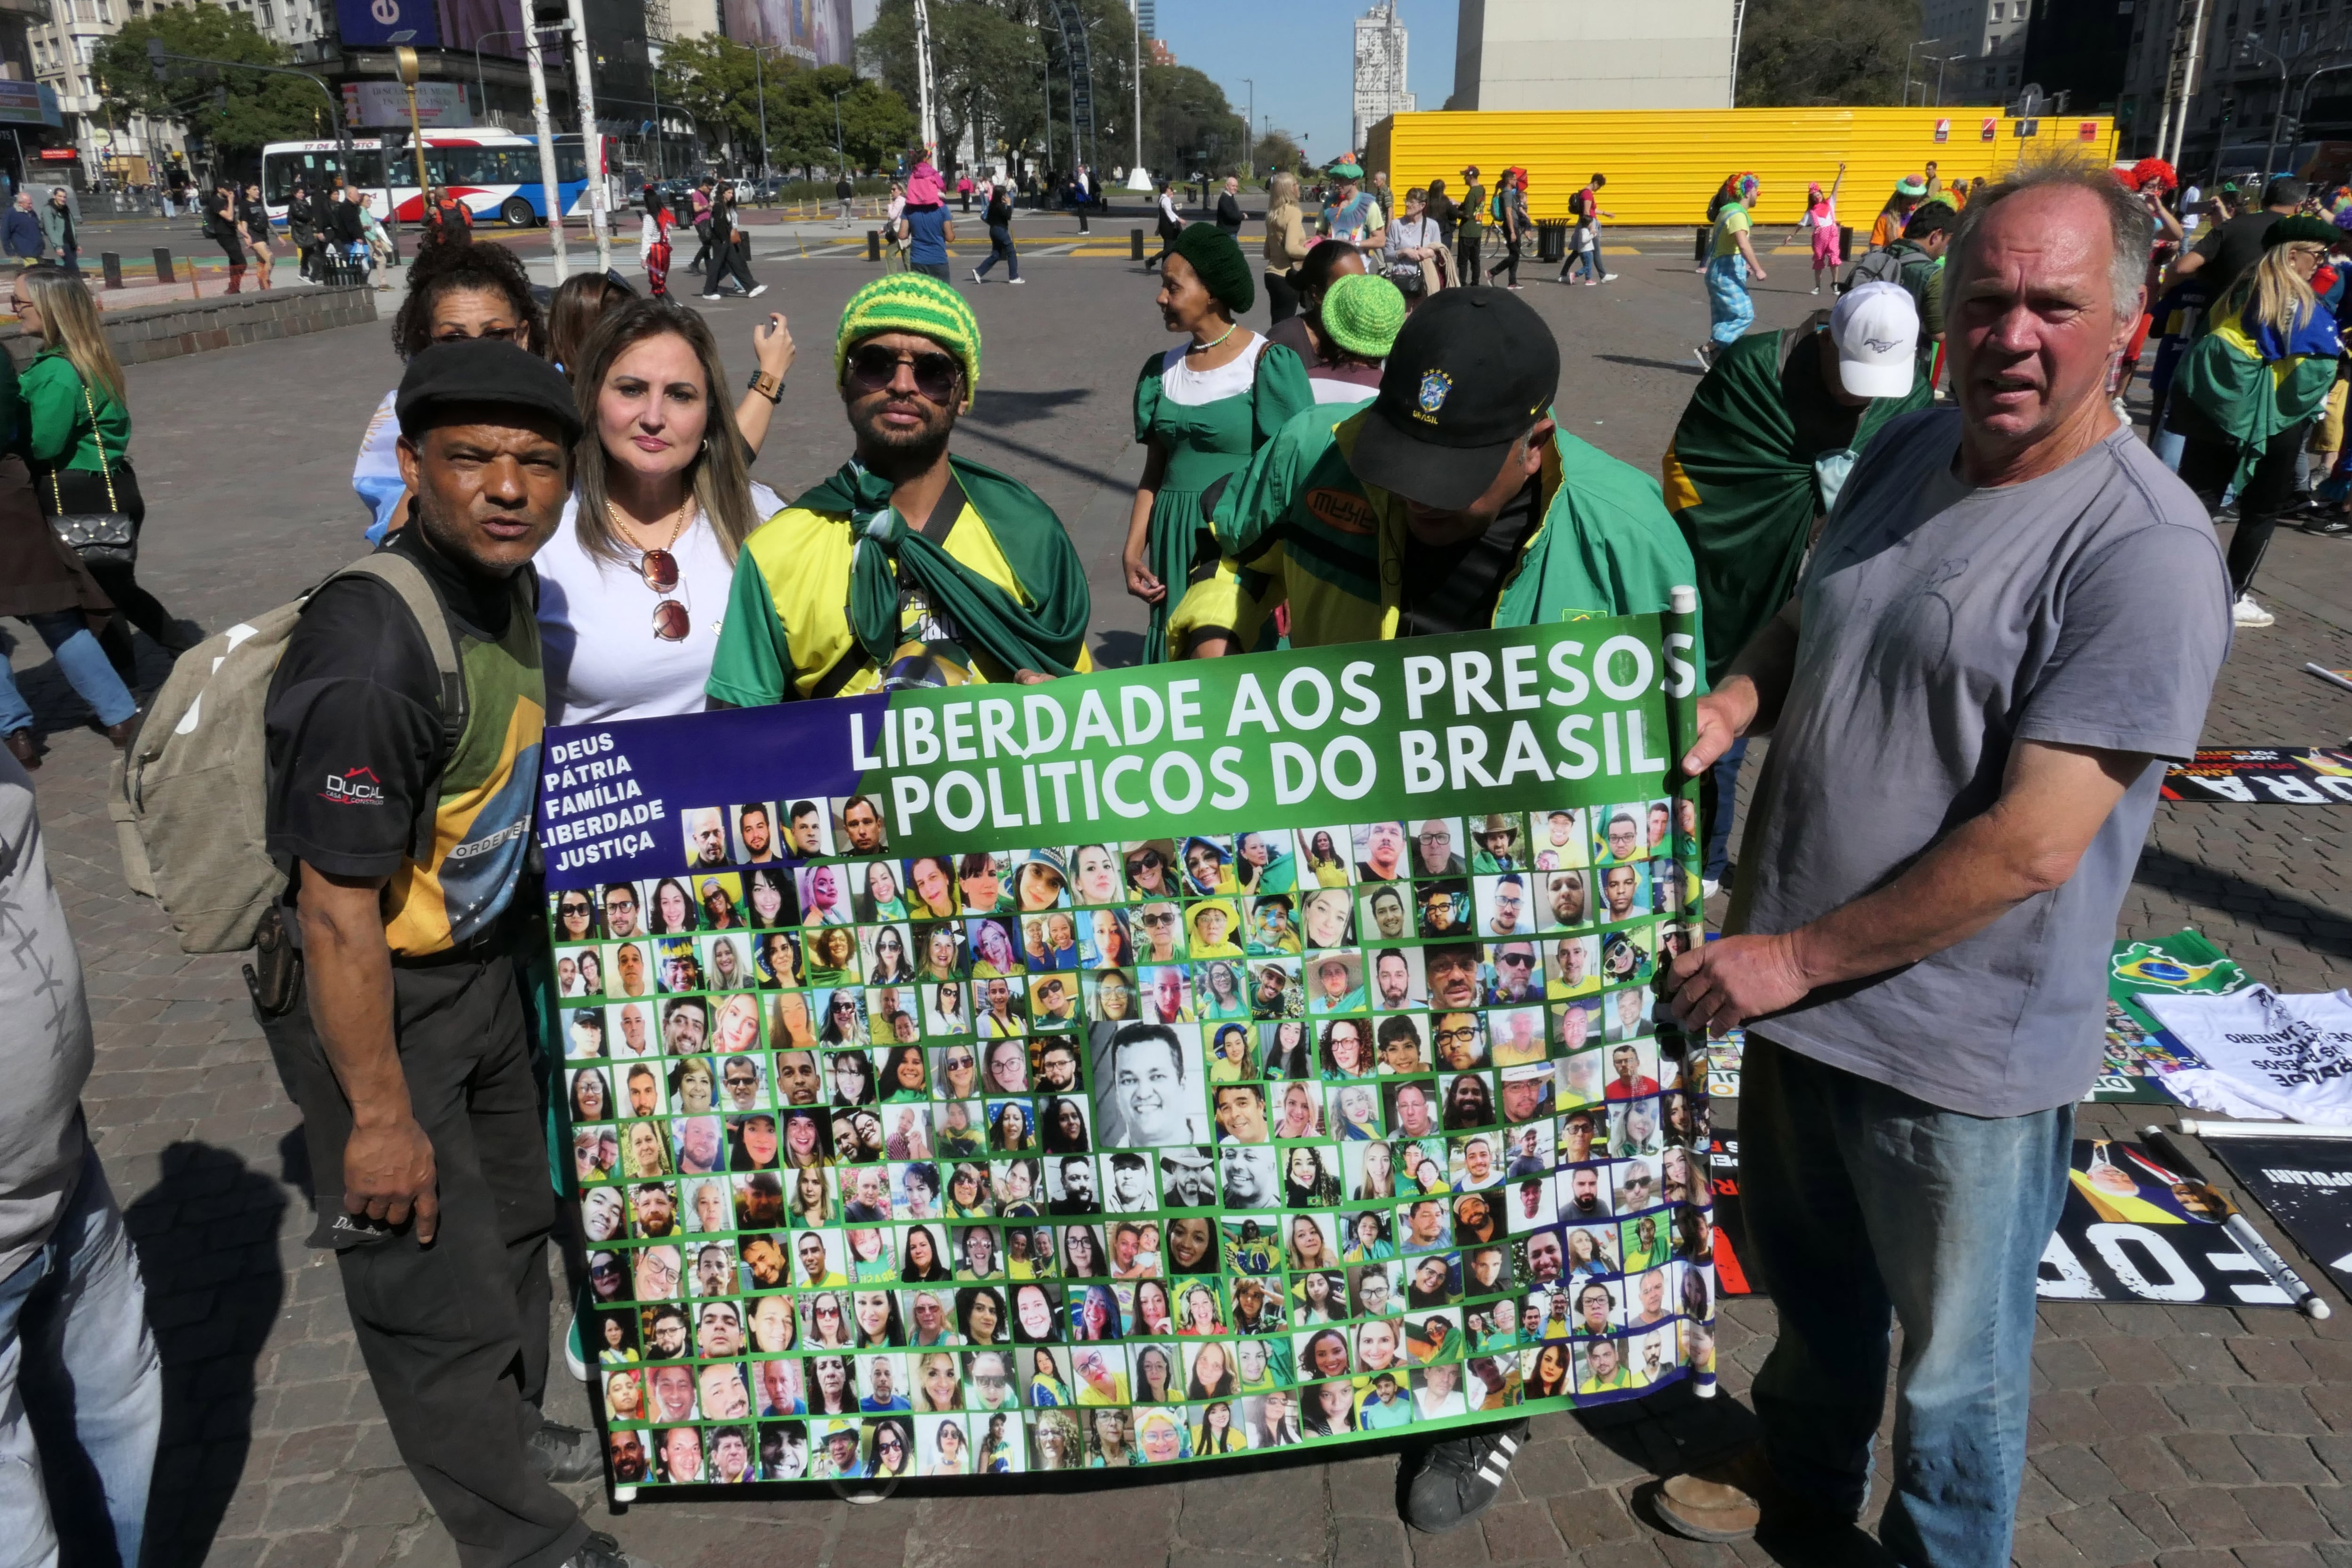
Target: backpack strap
(415, 590)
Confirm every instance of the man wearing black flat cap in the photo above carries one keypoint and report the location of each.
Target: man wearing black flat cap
(403, 728)
(1453, 503)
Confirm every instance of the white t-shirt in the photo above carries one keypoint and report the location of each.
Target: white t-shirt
(620, 669)
(2264, 1054)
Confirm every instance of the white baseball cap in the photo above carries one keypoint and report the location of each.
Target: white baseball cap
(1876, 328)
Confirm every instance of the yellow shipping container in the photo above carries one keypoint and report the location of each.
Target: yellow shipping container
(1664, 164)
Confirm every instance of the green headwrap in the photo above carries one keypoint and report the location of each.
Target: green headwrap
(1216, 256)
(911, 302)
(1049, 637)
(1361, 313)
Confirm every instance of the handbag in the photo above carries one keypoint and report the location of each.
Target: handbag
(106, 538)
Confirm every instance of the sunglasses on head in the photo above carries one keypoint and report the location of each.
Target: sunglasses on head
(873, 368)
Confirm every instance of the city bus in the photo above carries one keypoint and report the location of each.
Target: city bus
(494, 173)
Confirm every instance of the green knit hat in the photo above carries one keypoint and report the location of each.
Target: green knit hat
(911, 302)
(1217, 257)
(2303, 228)
(1361, 313)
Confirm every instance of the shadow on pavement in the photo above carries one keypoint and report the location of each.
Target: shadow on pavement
(1023, 407)
(207, 1240)
(1675, 365)
(2315, 926)
(1117, 650)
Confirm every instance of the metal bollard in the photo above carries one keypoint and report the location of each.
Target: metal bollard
(111, 265)
(1134, 245)
(873, 245)
(163, 266)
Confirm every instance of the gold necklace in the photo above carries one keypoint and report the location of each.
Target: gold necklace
(623, 524)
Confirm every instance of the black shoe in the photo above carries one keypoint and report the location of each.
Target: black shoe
(1460, 1478)
(2328, 524)
(601, 1550)
(564, 1454)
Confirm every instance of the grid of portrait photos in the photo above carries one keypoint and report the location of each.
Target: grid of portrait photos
(1127, 1152)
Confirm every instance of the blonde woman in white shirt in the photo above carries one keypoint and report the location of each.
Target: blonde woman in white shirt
(634, 583)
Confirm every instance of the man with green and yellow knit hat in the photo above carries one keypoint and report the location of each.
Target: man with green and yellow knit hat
(909, 566)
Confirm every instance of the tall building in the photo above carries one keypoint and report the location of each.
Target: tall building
(2234, 108)
(1379, 69)
(1974, 50)
(1592, 54)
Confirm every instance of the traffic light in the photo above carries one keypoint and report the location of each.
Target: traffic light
(219, 100)
(2229, 112)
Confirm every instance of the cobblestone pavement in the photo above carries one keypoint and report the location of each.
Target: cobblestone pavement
(2193, 1437)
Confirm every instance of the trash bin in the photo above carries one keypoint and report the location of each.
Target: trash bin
(1551, 239)
(1699, 245)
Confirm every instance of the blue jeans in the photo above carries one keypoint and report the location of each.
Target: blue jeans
(1724, 784)
(82, 1390)
(999, 247)
(1865, 1206)
(86, 670)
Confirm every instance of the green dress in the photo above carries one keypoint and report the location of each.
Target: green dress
(1209, 422)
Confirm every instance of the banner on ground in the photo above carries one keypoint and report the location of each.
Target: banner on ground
(2264, 776)
(2139, 1049)
(1143, 1067)
(2132, 1231)
(2306, 1186)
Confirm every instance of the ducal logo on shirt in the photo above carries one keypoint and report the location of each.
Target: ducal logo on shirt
(354, 787)
(1435, 384)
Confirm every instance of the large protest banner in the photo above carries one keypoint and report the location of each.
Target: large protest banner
(1143, 1067)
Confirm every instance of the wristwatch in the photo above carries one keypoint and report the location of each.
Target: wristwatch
(766, 385)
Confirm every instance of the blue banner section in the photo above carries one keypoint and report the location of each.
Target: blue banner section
(380, 22)
(611, 795)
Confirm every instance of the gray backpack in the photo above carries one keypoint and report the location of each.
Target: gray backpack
(190, 796)
(1878, 267)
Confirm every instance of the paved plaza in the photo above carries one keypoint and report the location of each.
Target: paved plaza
(2188, 1437)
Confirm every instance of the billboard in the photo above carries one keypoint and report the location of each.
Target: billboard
(440, 105)
(383, 22)
(28, 103)
(493, 25)
(815, 31)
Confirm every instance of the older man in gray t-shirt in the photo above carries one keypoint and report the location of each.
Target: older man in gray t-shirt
(2013, 613)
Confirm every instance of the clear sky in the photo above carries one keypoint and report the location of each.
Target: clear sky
(1302, 53)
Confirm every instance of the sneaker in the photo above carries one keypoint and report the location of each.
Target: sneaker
(2246, 613)
(714, 297)
(564, 1454)
(1609, 277)
(1709, 886)
(2328, 524)
(601, 1550)
(976, 277)
(757, 291)
(1817, 288)
(1460, 1478)
(1016, 281)
(2121, 409)
(1705, 354)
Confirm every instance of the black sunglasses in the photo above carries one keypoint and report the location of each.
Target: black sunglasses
(872, 368)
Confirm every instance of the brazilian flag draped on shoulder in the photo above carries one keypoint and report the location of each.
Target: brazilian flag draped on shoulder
(1742, 483)
(836, 594)
(1298, 528)
(2253, 381)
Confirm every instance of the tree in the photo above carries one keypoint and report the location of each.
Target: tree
(1802, 52)
(728, 88)
(1276, 150)
(991, 63)
(254, 108)
(1188, 126)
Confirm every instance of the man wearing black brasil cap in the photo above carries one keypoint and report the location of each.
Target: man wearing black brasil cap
(410, 1060)
(1454, 501)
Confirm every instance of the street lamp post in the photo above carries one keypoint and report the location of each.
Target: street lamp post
(1138, 171)
(481, 91)
(1249, 147)
(1921, 43)
(840, 144)
(760, 76)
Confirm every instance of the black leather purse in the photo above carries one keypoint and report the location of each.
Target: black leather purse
(105, 537)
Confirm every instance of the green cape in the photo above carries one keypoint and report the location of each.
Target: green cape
(1744, 489)
(1032, 540)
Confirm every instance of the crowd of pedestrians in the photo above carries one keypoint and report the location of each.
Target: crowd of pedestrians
(566, 520)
